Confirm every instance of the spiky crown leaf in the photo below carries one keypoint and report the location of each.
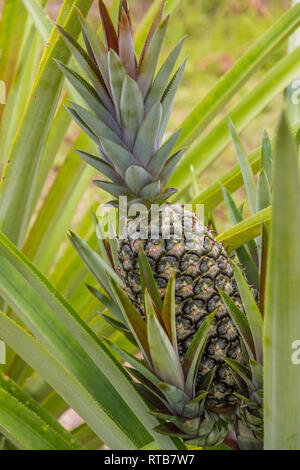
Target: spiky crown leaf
(130, 105)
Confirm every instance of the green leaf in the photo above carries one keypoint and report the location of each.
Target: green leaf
(164, 358)
(107, 302)
(282, 320)
(149, 62)
(257, 373)
(263, 267)
(145, 24)
(100, 165)
(131, 110)
(170, 167)
(95, 124)
(87, 437)
(252, 311)
(113, 189)
(240, 321)
(135, 322)
(168, 100)
(40, 18)
(194, 353)
(243, 252)
(65, 383)
(151, 191)
(117, 75)
(36, 295)
(148, 281)
(69, 272)
(146, 143)
(169, 311)
(175, 396)
(75, 116)
(89, 68)
(245, 167)
(17, 194)
(57, 210)
(231, 180)
(97, 47)
(136, 177)
(14, 18)
(136, 363)
(54, 140)
(95, 263)
(263, 196)
(159, 160)
(161, 80)
(240, 370)
(60, 341)
(18, 94)
(89, 95)
(245, 231)
(28, 424)
(120, 157)
(266, 156)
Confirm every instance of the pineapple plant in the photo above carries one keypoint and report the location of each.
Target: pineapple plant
(60, 360)
(131, 105)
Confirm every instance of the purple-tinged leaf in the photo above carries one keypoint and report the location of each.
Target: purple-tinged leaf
(126, 46)
(108, 27)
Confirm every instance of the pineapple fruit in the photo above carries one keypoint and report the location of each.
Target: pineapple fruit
(131, 104)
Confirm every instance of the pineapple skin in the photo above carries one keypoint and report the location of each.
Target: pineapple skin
(202, 266)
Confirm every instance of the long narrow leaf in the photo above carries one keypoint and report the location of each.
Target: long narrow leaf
(204, 151)
(252, 311)
(65, 383)
(282, 320)
(244, 68)
(16, 195)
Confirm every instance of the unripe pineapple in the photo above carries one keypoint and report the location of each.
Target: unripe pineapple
(202, 266)
(131, 106)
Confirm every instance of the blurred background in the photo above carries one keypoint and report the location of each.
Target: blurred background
(218, 32)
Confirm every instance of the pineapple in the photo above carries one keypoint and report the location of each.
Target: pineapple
(131, 104)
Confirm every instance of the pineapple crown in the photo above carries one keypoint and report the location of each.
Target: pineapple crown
(130, 103)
